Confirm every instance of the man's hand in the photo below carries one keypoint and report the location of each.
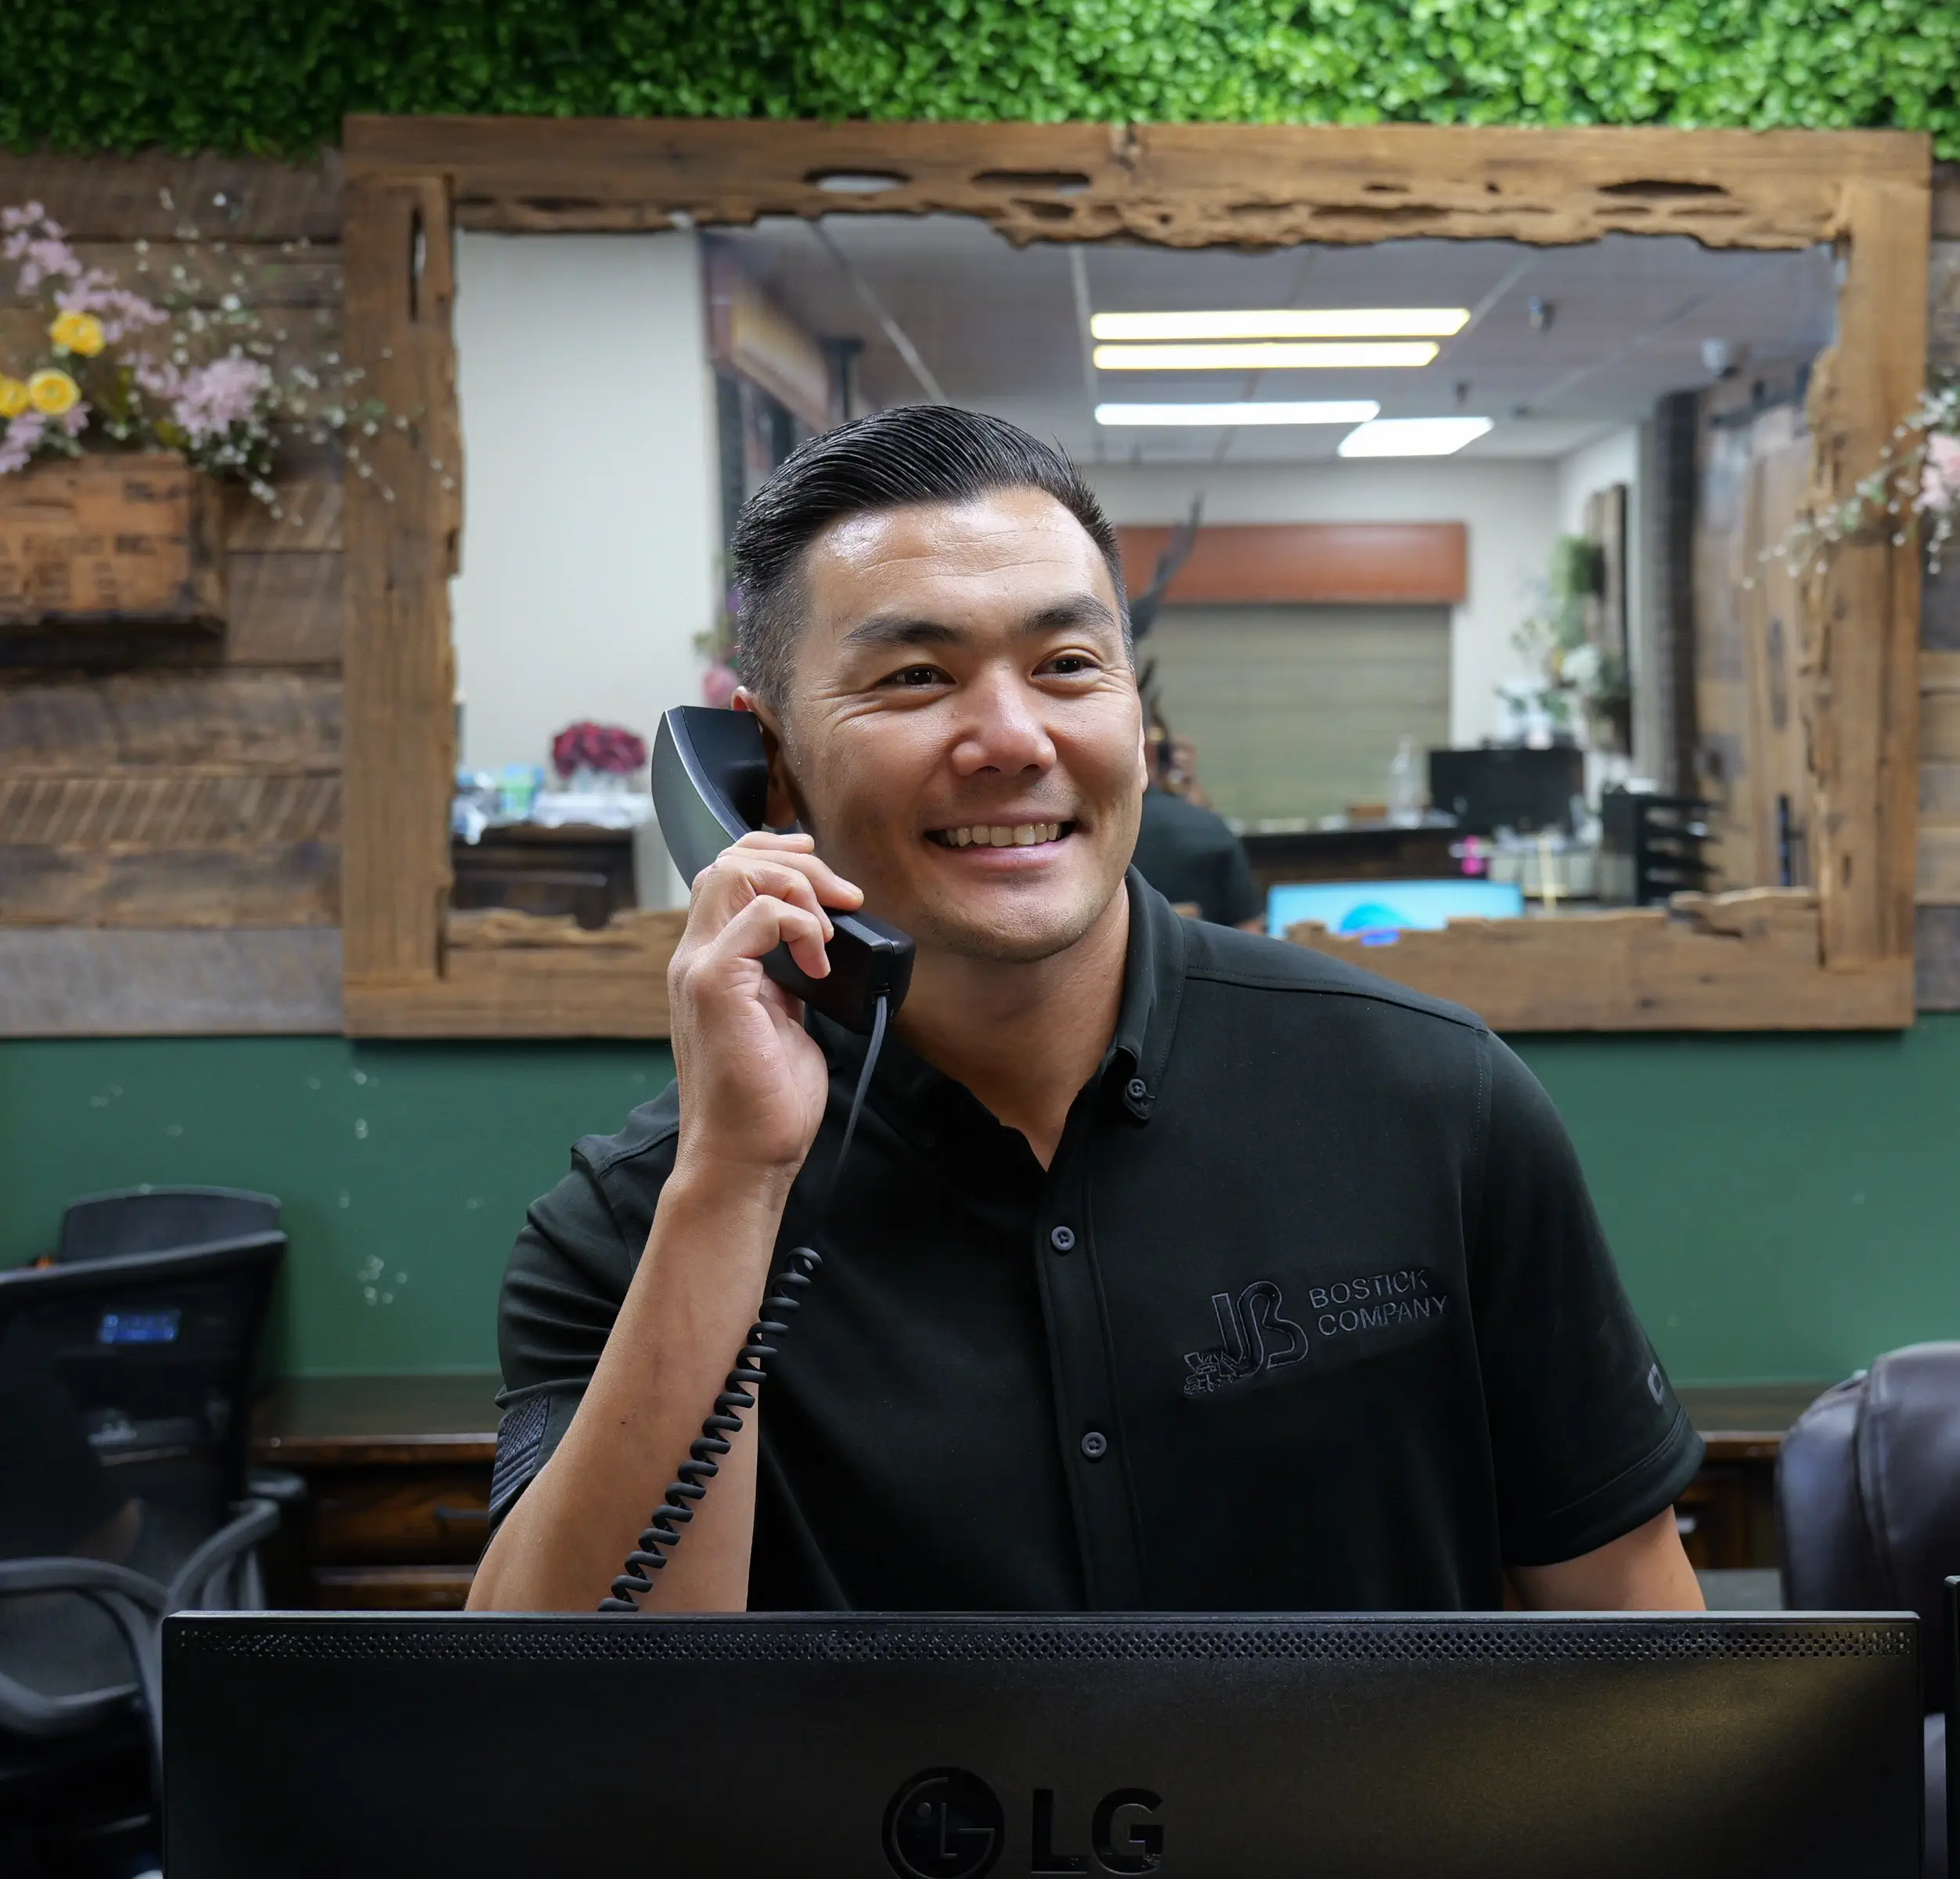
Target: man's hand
(753, 1083)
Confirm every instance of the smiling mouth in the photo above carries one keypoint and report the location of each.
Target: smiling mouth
(1000, 835)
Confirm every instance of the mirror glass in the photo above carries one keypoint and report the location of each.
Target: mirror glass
(1453, 561)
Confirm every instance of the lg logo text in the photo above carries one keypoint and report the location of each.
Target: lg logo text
(945, 1823)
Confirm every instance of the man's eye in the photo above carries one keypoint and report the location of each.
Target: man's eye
(1072, 665)
(917, 675)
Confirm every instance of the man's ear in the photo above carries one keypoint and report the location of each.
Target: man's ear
(785, 800)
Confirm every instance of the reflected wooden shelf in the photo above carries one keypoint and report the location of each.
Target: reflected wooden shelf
(1744, 961)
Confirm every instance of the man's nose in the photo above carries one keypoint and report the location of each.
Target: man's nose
(1002, 728)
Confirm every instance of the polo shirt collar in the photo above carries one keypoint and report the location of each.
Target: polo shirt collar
(1153, 991)
(907, 1089)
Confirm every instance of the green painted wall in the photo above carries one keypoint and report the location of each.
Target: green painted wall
(405, 1169)
(1783, 1207)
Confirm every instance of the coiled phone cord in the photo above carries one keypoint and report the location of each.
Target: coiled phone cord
(690, 1482)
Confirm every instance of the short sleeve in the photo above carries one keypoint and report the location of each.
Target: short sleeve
(1588, 1439)
(563, 1286)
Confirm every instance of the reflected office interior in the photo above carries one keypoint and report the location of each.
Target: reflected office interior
(1483, 590)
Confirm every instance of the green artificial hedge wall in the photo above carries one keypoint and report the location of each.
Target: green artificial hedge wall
(275, 76)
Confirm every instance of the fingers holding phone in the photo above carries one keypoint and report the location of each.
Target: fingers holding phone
(753, 1083)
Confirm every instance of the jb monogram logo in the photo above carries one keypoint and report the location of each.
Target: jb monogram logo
(1253, 1337)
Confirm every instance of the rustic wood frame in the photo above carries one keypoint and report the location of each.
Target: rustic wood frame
(1839, 958)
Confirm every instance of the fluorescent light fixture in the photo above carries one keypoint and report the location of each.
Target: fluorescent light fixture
(1266, 355)
(1413, 436)
(1286, 322)
(1331, 411)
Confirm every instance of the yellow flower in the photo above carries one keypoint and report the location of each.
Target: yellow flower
(13, 396)
(53, 391)
(79, 333)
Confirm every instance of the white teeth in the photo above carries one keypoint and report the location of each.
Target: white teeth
(1000, 835)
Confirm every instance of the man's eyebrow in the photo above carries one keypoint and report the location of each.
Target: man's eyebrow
(901, 630)
(888, 629)
(1077, 610)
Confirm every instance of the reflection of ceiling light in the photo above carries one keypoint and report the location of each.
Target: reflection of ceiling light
(1332, 411)
(1286, 322)
(1282, 355)
(1413, 436)
(856, 182)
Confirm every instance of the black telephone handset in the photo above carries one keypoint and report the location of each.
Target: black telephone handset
(711, 788)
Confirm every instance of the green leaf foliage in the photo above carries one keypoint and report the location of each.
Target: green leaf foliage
(275, 76)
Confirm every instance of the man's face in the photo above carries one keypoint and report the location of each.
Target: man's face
(962, 734)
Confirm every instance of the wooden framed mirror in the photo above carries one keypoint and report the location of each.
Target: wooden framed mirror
(1834, 953)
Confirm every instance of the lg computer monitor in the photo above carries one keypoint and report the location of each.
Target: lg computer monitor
(1507, 1747)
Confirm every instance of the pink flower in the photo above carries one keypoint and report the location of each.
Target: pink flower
(208, 400)
(718, 685)
(42, 258)
(119, 311)
(23, 215)
(1939, 483)
(160, 382)
(19, 441)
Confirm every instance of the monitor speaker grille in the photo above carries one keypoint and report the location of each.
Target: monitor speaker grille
(848, 1641)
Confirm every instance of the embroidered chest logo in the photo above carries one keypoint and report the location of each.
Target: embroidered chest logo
(1253, 1338)
(1254, 1335)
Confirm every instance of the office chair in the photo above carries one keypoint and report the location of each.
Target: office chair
(1867, 1496)
(124, 1385)
(159, 1220)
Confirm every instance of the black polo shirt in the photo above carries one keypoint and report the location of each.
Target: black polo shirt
(1312, 1312)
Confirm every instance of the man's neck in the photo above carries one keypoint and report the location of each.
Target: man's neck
(1024, 1039)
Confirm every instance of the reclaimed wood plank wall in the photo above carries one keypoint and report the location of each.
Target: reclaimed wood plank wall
(170, 803)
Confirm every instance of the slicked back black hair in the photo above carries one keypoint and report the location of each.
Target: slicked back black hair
(892, 460)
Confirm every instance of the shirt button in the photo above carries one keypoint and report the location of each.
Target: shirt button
(1061, 1239)
(1095, 1444)
(1136, 1089)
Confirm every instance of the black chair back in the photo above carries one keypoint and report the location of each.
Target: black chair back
(124, 1385)
(161, 1220)
(129, 1379)
(1868, 1490)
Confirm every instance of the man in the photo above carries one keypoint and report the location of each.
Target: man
(1189, 854)
(1171, 1267)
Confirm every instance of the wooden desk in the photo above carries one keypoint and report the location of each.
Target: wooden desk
(574, 869)
(1728, 1514)
(399, 1472)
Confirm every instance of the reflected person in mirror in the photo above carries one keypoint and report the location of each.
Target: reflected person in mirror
(1173, 1268)
(1185, 849)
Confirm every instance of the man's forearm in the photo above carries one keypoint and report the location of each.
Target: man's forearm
(685, 1316)
(1643, 1570)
